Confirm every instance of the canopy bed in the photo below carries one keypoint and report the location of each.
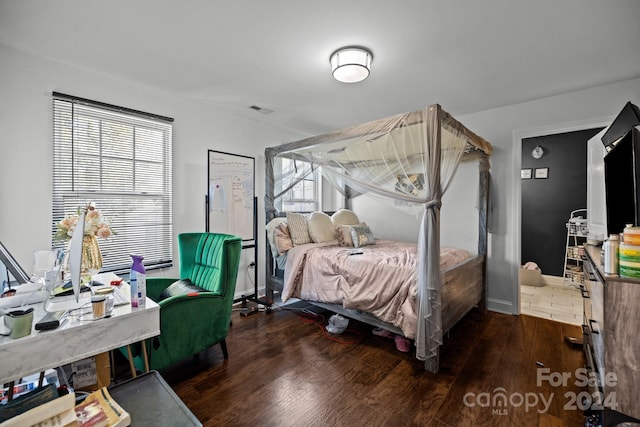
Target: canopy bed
(409, 159)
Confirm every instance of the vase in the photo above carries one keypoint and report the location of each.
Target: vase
(91, 257)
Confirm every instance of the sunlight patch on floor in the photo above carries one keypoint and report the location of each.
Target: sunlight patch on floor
(552, 302)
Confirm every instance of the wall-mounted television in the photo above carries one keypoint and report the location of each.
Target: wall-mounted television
(622, 182)
(627, 118)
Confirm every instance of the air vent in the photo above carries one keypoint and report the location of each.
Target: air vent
(261, 110)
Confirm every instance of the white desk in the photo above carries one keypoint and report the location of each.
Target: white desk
(75, 339)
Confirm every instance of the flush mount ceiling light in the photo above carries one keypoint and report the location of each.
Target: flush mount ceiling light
(351, 64)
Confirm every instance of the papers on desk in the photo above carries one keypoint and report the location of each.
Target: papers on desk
(33, 293)
(54, 304)
(27, 293)
(60, 303)
(106, 278)
(66, 290)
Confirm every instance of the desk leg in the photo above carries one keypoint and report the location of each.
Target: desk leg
(131, 365)
(145, 357)
(10, 391)
(112, 364)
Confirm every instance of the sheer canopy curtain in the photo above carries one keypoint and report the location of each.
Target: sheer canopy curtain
(410, 158)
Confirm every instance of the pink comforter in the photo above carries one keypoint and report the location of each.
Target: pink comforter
(381, 281)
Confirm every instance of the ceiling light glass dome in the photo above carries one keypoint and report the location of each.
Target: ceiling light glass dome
(351, 64)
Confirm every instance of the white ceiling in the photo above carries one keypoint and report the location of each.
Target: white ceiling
(467, 55)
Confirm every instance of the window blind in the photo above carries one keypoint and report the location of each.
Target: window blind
(120, 160)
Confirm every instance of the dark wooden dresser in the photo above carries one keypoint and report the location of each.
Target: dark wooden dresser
(611, 330)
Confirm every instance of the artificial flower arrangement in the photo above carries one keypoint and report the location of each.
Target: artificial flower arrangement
(95, 224)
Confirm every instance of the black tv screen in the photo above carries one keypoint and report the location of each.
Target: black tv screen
(622, 183)
(628, 118)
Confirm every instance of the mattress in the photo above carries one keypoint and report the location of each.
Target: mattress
(381, 280)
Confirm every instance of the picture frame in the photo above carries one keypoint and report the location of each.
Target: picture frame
(411, 184)
(542, 173)
(526, 173)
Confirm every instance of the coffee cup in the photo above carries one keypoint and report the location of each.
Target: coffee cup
(18, 323)
(98, 304)
(107, 292)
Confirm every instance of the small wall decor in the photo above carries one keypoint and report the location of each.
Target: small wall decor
(542, 173)
(410, 184)
(525, 174)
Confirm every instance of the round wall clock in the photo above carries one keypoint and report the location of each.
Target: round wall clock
(537, 152)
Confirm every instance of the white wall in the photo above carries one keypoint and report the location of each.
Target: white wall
(26, 84)
(458, 216)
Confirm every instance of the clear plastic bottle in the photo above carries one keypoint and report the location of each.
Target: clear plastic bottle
(138, 282)
(610, 249)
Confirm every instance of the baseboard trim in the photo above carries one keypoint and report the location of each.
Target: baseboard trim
(246, 292)
(500, 306)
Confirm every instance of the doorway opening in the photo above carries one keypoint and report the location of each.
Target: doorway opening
(553, 185)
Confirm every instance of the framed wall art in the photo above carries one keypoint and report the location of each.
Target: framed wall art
(542, 173)
(525, 174)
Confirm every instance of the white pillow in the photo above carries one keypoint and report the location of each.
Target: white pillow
(298, 228)
(321, 228)
(271, 226)
(344, 217)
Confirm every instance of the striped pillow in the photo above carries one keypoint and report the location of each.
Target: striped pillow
(298, 228)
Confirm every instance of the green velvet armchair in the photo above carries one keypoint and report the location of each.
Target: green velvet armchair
(193, 322)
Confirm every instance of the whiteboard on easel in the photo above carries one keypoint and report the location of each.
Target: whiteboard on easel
(230, 194)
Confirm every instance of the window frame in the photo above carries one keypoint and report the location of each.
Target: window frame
(140, 210)
(316, 200)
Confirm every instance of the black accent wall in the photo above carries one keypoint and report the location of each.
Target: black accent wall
(547, 203)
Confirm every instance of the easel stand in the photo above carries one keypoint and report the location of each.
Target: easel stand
(247, 309)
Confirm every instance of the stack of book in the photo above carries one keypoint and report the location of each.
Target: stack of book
(98, 409)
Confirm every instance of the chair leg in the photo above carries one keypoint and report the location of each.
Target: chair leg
(225, 353)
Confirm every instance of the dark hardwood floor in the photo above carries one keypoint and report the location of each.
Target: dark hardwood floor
(283, 370)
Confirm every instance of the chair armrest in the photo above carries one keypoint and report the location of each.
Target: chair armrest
(155, 286)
